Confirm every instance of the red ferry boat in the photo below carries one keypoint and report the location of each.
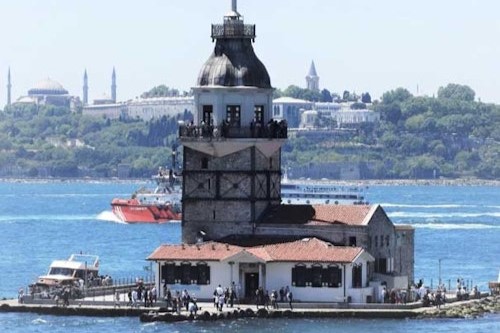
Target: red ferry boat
(159, 205)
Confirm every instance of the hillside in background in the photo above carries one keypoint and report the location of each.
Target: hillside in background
(451, 135)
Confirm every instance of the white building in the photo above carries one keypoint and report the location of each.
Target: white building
(290, 109)
(313, 270)
(149, 108)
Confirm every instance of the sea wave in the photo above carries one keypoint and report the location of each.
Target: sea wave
(453, 226)
(427, 215)
(426, 206)
(15, 218)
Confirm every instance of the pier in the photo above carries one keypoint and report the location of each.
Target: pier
(105, 306)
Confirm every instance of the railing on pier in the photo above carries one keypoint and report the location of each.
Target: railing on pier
(207, 132)
(93, 289)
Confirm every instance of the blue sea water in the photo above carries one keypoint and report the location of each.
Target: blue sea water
(40, 222)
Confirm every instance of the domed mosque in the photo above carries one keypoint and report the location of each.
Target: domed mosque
(49, 92)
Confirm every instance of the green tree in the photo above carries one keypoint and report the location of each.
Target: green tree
(396, 96)
(457, 91)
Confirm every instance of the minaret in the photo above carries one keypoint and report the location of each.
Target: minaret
(9, 88)
(113, 86)
(85, 88)
(232, 167)
(312, 78)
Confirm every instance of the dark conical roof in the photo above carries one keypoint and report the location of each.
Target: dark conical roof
(234, 63)
(312, 70)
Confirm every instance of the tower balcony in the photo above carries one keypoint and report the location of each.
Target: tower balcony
(207, 132)
(233, 29)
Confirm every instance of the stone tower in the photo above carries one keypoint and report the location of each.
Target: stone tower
(9, 89)
(312, 79)
(85, 89)
(113, 86)
(231, 156)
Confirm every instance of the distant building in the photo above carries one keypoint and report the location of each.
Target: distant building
(290, 109)
(49, 92)
(312, 78)
(157, 107)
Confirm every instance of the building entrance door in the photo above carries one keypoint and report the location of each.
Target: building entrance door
(251, 285)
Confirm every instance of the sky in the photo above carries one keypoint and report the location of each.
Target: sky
(357, 45)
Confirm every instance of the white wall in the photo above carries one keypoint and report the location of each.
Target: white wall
(277, 275)
(247, 98)
(220, 273)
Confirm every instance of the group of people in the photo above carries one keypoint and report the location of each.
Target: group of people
(224, 296)
(463, 293)
(100, 280)
(263, 298)
(141, 294)
(179, 301)
(273, 129)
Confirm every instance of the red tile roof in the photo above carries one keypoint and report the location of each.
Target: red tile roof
(345, 214)
(305, 250)
(319, 214)
(209, 251)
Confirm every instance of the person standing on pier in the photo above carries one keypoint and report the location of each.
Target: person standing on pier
(289, 297)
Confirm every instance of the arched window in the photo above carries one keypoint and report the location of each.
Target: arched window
(357, 276)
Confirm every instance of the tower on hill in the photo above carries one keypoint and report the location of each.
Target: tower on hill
(232, 166)
(113, 86)
(85, 88)
(312, 78)
(9, 89)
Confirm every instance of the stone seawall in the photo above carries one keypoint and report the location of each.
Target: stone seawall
(463, 309)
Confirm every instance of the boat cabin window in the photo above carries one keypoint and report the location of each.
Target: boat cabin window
(61, 271)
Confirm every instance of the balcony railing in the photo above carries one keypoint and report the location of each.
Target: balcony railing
(206, 132)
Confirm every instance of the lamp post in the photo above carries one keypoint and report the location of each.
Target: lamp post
(439, 271)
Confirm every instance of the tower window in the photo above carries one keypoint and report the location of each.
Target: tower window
(208, 114)
(204, 163)
(233, 115)
(259, 114)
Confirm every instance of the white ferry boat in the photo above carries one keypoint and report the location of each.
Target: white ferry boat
(313, 193)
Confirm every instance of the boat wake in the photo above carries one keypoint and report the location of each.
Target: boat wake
(39, 321)
(109, 216)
